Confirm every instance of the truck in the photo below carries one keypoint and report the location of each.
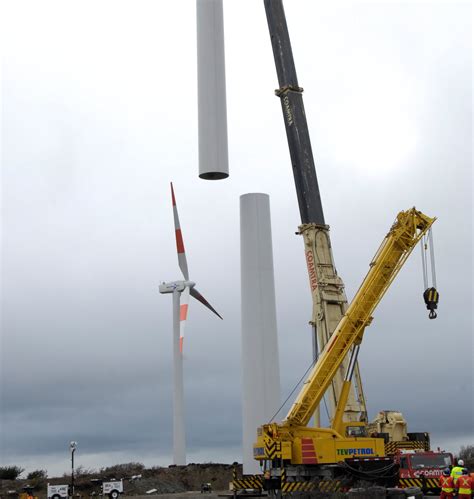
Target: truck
(416, 468)
(295, 456)
(57, 491)
(422, 469)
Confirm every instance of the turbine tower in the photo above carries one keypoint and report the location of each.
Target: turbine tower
(181, 291)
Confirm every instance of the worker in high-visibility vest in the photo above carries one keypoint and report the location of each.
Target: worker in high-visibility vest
(456, 471)
(464, 485)
(446, 484)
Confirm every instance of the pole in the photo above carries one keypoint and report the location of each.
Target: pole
(179, 439)
(72, 473)
(72, 446)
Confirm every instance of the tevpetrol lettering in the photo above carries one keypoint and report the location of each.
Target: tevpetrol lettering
(313, 281)
(355, 452)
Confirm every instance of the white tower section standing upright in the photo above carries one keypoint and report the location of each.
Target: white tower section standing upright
(179, 429)
(260, 363)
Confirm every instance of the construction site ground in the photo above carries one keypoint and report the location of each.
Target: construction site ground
(174, 482)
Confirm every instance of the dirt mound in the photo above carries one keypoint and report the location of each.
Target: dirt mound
(171, 480)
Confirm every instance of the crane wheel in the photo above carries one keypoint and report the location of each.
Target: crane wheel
(414, 492)
(392, 492)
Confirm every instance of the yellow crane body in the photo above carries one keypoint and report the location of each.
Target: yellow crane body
(306, 445)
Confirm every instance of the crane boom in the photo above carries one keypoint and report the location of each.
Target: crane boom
(327, 289)
(407, 230)
(291, 96)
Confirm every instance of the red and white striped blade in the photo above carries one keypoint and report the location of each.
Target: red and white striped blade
(196, 294)
(183, 264)
(183, 315)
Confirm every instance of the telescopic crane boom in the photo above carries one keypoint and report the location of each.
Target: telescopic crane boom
(302, 450)
(327, 288)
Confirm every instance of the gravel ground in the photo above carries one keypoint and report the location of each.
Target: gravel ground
(184, 495)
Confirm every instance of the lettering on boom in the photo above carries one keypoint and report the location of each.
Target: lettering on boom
(313, 282)
(288, 113)
(355, 452)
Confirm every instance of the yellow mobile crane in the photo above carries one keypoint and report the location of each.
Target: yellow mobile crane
(292, 452)
(327, 288)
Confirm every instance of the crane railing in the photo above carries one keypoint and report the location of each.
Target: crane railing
(408, 228)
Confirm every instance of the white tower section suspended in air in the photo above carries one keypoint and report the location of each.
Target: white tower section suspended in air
(212, 106)
(260, 363)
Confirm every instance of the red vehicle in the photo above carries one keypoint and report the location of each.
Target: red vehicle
(422, 469)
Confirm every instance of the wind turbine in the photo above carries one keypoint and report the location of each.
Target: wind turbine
(181, 291)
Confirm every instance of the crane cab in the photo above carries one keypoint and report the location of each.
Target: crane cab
(354, 429)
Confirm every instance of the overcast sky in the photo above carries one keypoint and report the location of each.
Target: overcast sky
(99, 114)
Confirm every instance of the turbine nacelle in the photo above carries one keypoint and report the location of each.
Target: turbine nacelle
(171, 287)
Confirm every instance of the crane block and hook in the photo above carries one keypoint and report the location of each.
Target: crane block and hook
(430, 295)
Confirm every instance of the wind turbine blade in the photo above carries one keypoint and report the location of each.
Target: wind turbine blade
(196, 294)
(183, 264)
(183, 315)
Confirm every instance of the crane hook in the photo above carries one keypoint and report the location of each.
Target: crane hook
(431, 297)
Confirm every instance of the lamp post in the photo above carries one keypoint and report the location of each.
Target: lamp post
(72, 447)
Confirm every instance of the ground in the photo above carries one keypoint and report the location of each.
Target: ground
(174, 482)
(171, 480)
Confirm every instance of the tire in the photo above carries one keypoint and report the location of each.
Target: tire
(56, 496)
(377, 492)
(392, 492)
(358, 493)
(413, 492)
(114, 494)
